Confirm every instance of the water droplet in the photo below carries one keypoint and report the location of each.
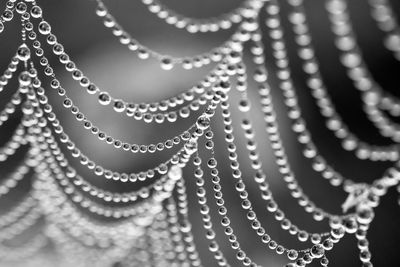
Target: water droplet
(8, 15)
(104, 98)
(36, 12)
(317, 251)
(119, 106)
(24, 78)
(203, 123)
(21, 8)
(44, 28)
(166, 63)
(244, 105)
(23, 53)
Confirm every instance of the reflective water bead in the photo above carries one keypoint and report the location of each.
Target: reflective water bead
(280, 249)
(292, 254)
(365, 256)
(363, 244)
(317, 251)
(119, 105)
(143, 54)
(67, 103)
(350, 225)
(225, 86)
(44, 28)
(32, 36)
(316, 238)
(167, 63)
(92, 89)
(365, 215)
(324, 261)
(187, 64)
(8, 15)
(260, 75)
(58, 49)
(172, 116)
(104, 98)
(55, 84)
(40, 52)
(23, 53)
(184, 112)
(244, 105)
(212, 163)
(21, 7)
(250, 24)
(234, 57)
(272, 244)
(36, 12)
(24, 78)
(300, 263)
(209, 144)
(203, 123)
(327, 244)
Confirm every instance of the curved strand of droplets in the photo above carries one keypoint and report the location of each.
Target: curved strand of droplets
(12, 179)
(357, 70)
(385, 17)
(194, 25)
(7, 15)
(234, 43)
(97, 169)
(17, 211)
(310, 150)
(120, 145)
(58, 176)
(139, 111)
(335, 123)
(94, 191)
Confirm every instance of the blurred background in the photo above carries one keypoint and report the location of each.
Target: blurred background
(117, 70)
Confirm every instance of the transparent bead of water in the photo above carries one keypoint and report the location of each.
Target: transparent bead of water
(292, 254)
(317, 251)
(104, 98)
(324, 261)
(393, 42)
(365, 256)
(212, 163)
(23, 52)
(260, 75)
(365, 215)
(21, 8)
(36, 12)
(8, 15)
(166, 63)
(234, 57)
(244, 105)
(203, 123)
(119, 106)
(44, 28)
(24, 78)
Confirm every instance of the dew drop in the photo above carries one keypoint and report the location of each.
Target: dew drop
(23, 53)
(166, 63)
(36, 12)
(44, 28)
(104, 98)
(24, 78)
(203, 123)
